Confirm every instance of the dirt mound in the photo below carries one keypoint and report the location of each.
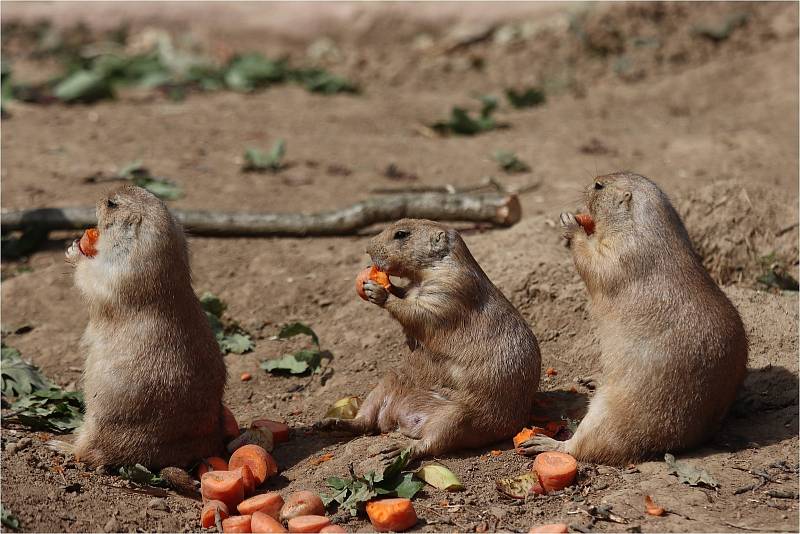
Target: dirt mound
(741, 230)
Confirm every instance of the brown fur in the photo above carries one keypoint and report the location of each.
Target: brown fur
(474, 366)
(154, 375)
(674, 350)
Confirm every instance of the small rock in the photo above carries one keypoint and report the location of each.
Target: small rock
(112, 525)
(24, 443)
(157, 503)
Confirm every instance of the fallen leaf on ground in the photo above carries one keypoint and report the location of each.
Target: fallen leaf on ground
(439, 477)
(689, 474)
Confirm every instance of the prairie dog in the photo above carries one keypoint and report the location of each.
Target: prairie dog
(674, 350)
(474, 364)
(154, 375)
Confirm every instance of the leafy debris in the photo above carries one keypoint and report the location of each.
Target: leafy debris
(775, 275)
(530, 97)
(139, 175)
(8, 519)
(139, 474)
(231, 337)
(509, 162)
(352, 493)
(302, 361)
(689, 474)
(19, 377)
(518, 487)
(50, 410)
(462, 123)
(346, 408)
(439, 477)
(260, 161)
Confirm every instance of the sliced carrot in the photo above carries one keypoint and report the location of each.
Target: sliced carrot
(551, 371)
(302, 503)
(225, 486)
(586, 221)
(331, 529)
(556, 470)
(553, 528)
(374, 274)
(308, 523)
(246, 377)
(263, 523)
(230, 427)
(237, 523)
(525, 434)
(257, 458)
(280, 431)
(208, 516)
(88, 241)
(214, 463)
(267, 503)
(393, 515)
(248, 480)
(651, 507)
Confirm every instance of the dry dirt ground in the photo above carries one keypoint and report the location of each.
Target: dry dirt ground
(631, 86)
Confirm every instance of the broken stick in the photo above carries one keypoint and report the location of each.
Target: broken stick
(495, 208)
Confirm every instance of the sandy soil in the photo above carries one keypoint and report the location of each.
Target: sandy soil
(715, 123)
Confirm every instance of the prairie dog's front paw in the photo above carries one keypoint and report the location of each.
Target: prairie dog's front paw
(376, 293)
(73, 253)
(569, 224)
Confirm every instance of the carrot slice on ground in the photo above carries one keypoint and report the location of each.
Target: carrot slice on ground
(393, 515)
(225, 486)
(553, 528)
(237, 523)
(308, 523)
(651, 507)
(585, 220)
(248, 480)
(230, 428)
(263, 523)
(280, 431)
(214, 463)
(267, 503)
(207, 516)
(257, 459)
(302, 503)
(556, 470)
(525, 434)
(331, 529)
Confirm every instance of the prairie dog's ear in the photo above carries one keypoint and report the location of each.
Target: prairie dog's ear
(439, 242)
(626, 199)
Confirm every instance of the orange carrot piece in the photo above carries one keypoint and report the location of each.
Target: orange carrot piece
(525, 434)
(552, 528)
(207, 516)
(496, 453)
(556, 470)
(214, 463)
(237, 523)
(374, 274)
(248, 480)
(230, 427)
(393, 515)
(302, 503)
(245, 377)
(264, 523)
(308, 523)
(257, 459)
(280, 431)
(333, 529)
(586, 221)
(225, 486)
(267, 503)
(88, 241)
(651, 507)
(551, 371)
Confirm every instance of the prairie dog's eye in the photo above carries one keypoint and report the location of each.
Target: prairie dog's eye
(111, 204)
(401, 234)
(598, 185)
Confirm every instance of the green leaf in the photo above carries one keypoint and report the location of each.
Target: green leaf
(141, 475)
(231, 338)
(462, 123)
(235, 342)
(84, 86)
(257, 160)
(52, 410)
(488, 105)
(439, 477)
(530, 97)
(250, 71)
(408, 486)
(689, 474)
(294, 329)
(8, 519)
(212, 304)
(322, 81)
(18, 376)
(509, 162)
(298, 363)
(160, 187)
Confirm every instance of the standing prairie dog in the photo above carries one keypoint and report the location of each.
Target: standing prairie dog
(154, 374)
(474, 367)
(673, 347)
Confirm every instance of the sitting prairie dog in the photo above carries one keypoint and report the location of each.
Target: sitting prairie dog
(474, 367)
(154, 375)
(673, 347)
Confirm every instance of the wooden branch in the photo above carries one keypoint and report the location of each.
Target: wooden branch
(498, 209)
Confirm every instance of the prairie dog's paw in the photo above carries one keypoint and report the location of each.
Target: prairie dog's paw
(539, 443)
(73, 253)
(376, 293)
(569, 224)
